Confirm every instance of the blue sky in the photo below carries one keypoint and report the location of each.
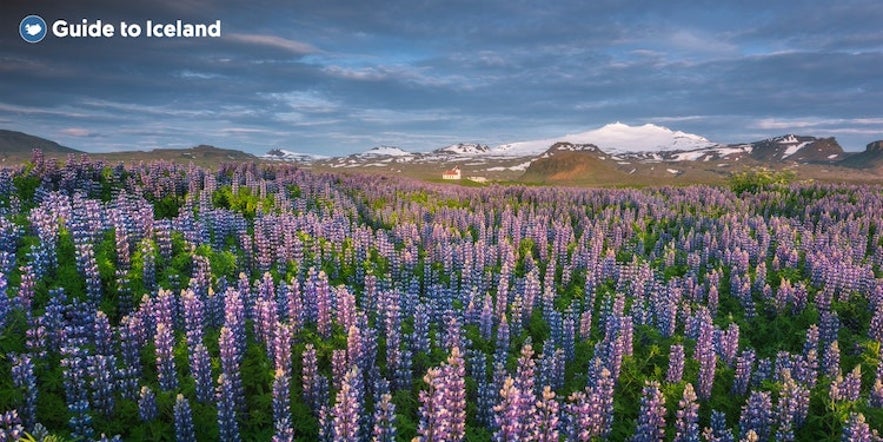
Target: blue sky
(336, 77)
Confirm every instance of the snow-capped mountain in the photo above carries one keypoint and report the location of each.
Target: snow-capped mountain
(797, 148)
(614, 138)
(385, 151)
(648, 152)
(463, 149)
(289, 156)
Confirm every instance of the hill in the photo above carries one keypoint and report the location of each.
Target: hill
(870, 159)
(19, 146)
(202, 155)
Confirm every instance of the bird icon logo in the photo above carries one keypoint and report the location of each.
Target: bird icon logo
(32, 29)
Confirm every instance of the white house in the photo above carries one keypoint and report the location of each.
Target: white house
(452, 174)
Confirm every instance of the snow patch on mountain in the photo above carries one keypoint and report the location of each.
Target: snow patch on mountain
(792, 149)
(287, 155)
(463, 149)
(517, 168)
(387, 151)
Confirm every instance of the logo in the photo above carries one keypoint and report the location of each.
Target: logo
(32, 29)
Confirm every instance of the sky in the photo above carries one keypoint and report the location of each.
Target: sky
(336, 77)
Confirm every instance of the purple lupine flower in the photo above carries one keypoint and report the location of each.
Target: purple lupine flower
(713, 300)
(784, 432)
(323, 304)
(718, 432)
(404, 375)
(502, 342)
(130, 342)
(453, 335)
(10, 426)
(5, 307)
(546, 423)
(675, 363)
(281, 407)
(282, 347)
(294, 304)
(101, 370)
(857, 430)
(784, 362)
(602, 397)
(762, 372)
(234, 319)
(580, 414)
(80, 421)
(590, 413)
(511, 426)
(23, 377)
(651, 417)
(443, 405)
(875, 330)
(339, 367)
(201, 370)
(310, 375)
(524, 381)
(486, 319)
(848, 388)
(26, 288)
(455, 394)
(706, 355)
(687, 417)
(147, 410)
(194, 318)
(744, 364)
(384, 420)
(231, 358)
(348, 408)
(103, 334)
(184, 430)
(266, 318)
(226, 400)
(729, 343)
(757, 415)
(875, 398)
(569, 339)
(354, 348)
(831, 360)
(585, 322)
(793, 405)
(807, 367)
(165, 357)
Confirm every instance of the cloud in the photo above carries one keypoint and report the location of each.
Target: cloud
(342, 75)
(274, 42)
(77, 132)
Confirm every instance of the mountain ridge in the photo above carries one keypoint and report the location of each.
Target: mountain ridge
(687, 157)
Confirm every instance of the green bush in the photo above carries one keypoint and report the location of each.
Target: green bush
(755, 180)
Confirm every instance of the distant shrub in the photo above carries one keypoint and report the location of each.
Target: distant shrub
(756, 180)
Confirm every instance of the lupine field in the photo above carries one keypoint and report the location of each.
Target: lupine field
(265, 302)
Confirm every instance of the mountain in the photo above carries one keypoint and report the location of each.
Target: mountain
(797, 148)
(202, 155)
(569, 163)
(871, 158)
(19, 146)
(463, 149)
(289, 156)
(385, 151)
(810, 157)
(614, 138)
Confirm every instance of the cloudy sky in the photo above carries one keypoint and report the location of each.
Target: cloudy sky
(335, 77)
